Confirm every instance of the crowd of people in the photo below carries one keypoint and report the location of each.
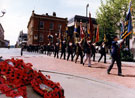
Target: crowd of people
(83, 48)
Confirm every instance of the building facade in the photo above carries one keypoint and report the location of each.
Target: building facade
(2, 42)
(41, 27)
(85, 24)
(22, 39)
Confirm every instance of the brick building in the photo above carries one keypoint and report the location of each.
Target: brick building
(40, 26)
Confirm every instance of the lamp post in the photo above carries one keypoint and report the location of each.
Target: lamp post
(86, 16)
(87, 9)
(3, 13)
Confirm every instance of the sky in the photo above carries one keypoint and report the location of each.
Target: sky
(18, 12)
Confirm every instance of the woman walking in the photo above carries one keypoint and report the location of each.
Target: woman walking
(88, 53)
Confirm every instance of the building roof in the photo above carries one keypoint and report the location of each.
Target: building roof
(79, 18)
(46, 16)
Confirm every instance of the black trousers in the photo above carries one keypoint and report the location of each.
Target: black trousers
(101, 57)
(118, 61)
(63, 53)
(70, 53)
(93, 55)
(56, 54)
(81, 55)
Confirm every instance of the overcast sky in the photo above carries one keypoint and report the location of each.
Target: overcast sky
(18, 12)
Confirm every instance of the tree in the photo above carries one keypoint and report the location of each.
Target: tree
(109, 16)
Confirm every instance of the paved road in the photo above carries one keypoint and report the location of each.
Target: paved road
(16, 52)
(82, 82)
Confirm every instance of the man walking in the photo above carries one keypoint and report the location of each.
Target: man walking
(56, 50)
(115, 56)
(63, 49)
(70, 51)
(103, 52)
(93, 51)
(79, 52)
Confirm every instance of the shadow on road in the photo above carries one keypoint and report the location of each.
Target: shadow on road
(127, 75)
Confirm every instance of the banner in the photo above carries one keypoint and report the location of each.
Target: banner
(128, 24)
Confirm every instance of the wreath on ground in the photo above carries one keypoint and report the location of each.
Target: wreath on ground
(15, 75)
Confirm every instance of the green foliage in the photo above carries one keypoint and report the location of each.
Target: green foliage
(127, 56)
(109, 16)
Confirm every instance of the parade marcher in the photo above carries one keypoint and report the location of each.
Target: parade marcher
(41, 49)
(70, 51)
(79, 52)
(102, 52)
(116, 55)
(56, 50)
(88, 53)
(44, 48)
(63, 49)
(49, 49)
(84, 47)
(93, 51)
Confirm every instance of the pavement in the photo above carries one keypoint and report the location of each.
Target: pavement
(80, 81)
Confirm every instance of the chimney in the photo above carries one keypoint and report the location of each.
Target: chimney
(47, 14)
(54, 14)
(33, 13)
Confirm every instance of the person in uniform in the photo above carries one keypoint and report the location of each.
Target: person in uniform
(79, 52)
(49, 49)
(70, 51)
(116, 56)
(93, 51)
(45, 48)
(88, 53)
(56, 50)
(102, 52)
(63, 49)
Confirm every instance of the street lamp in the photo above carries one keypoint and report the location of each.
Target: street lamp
(87, 9)
(86, 16)
(3, 13)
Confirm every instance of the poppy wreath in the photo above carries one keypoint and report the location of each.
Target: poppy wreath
(11, 90)
(25, 69)
(47, 88)
(15, 75)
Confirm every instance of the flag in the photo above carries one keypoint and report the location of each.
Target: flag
(128, 24)
(105, 38)
(91, 27)
(66, 29)
(97, 34)
(81, 30)
(75, 27)
(60, 32)
(122, 28)
(88, 30)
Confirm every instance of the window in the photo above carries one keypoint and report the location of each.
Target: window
(41, 37)
(41, 25)
(35, 37)
(51, 26)
(59, 26)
